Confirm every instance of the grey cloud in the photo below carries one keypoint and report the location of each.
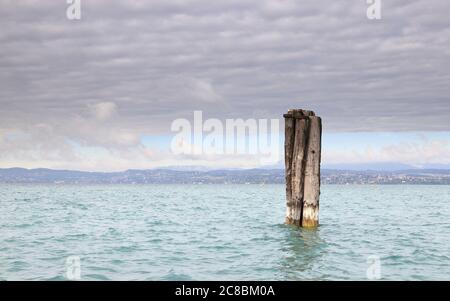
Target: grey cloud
(160, 60)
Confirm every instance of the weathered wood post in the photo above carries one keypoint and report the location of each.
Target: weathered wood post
(302, 154)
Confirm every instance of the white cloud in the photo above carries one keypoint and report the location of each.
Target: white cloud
(104, 110)
(425, 151)
(204, 91)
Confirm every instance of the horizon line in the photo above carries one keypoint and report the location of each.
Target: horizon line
(208, 169)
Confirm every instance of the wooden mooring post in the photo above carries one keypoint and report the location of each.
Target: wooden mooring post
(302, 154)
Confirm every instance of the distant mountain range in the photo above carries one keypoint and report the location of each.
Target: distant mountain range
(378, 166)
(241, 176)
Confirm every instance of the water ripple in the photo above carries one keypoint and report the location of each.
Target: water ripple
(221, 232)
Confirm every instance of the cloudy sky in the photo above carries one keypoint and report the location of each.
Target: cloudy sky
(100, 93)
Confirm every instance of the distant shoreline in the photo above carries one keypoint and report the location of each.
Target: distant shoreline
(223, 177)
(185, 184)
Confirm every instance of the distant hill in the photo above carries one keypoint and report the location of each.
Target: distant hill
(384, 166)
(378, 166)
(241, 176)
(392, 166)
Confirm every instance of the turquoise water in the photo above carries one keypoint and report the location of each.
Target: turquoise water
(221, 232)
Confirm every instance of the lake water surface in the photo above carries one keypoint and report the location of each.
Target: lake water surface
(222, 232)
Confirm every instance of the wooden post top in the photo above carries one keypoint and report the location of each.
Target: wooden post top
(299, 114)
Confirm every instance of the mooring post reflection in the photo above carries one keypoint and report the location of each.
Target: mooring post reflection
(302, 248)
